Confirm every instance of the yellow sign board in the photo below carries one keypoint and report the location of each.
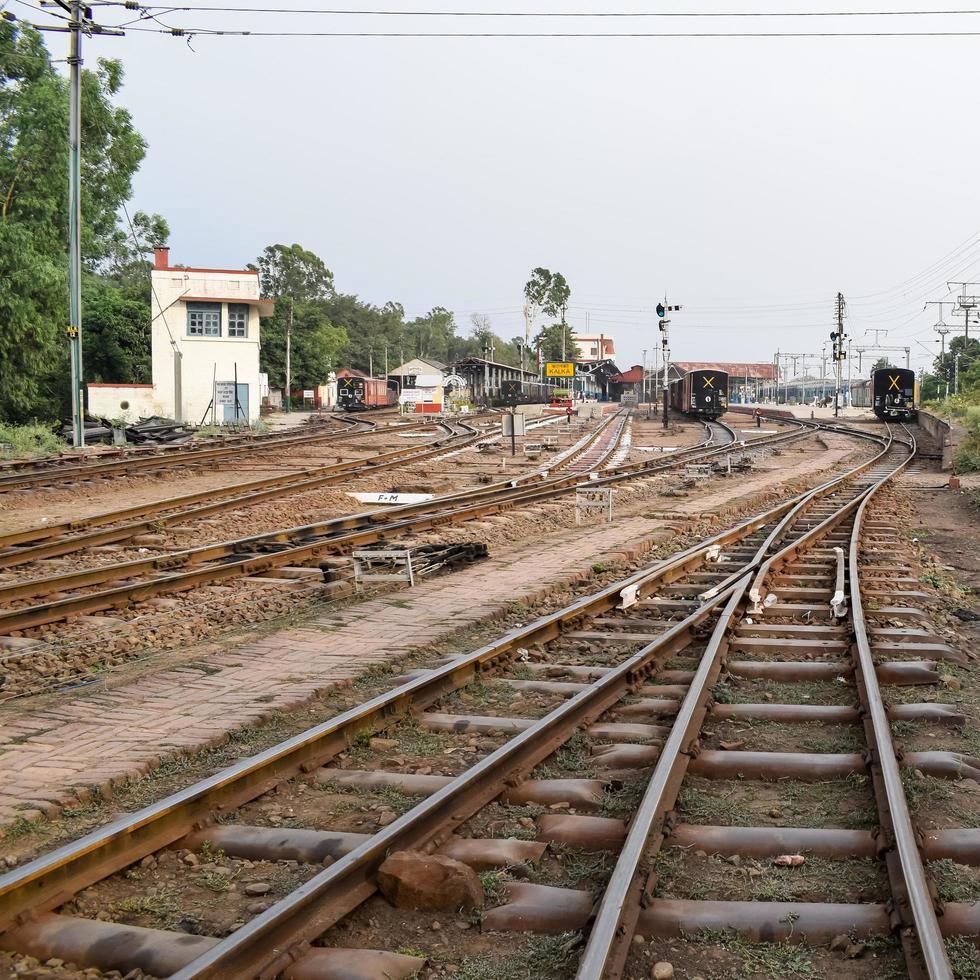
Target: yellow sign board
(559, 369)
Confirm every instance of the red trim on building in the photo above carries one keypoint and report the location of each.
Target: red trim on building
(110, 384)
(221, 299)
(192, 268)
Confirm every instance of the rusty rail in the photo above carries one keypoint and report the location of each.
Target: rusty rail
(173, 457)
(620, 908)
(275, 549)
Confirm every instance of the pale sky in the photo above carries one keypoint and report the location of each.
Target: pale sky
(748, 179)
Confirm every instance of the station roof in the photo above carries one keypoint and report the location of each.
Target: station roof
(473, 362)
(764, 370)
(632, 376)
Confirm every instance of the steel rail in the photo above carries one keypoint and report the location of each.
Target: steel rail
(133, 567)
(277, 937)
(255, 491)
(178, 456)
(52, 879)
(47, 531)
(296, 483)
(606, 949)
(343, 533)
(927, 931)
(266, 945)
(52, 464)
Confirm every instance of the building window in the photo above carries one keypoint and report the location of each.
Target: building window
(237, 320)
(203, 319)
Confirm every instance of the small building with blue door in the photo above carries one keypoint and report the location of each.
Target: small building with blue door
(205, 338)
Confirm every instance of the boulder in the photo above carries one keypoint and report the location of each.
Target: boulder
(429, 882)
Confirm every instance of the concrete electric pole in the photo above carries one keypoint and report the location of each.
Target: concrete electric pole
(78, 22)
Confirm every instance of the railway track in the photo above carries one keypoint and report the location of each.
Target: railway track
(609, 688)
(74, 593)
(65, 470)
(67, 537)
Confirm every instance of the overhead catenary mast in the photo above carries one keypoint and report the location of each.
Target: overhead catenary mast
(78, 23)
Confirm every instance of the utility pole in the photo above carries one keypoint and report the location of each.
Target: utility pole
(77, 23)
(289, 372)
(656, 375)
(643, 395)
(75, 222)
(840, 354)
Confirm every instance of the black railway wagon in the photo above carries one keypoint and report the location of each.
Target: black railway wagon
(355, 394)
(893, 393)
(702, 394)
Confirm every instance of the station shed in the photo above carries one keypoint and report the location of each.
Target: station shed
(484, 379)
(753, 381)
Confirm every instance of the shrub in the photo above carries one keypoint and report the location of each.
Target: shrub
(33, 439)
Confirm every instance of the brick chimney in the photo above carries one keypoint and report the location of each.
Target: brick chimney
(161, 258)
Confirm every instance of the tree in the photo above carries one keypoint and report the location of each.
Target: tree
(117, 324)
(434, 336)
(370, 330)
(34, 210)
(881, 363)
(549, 292)
(945, 364)
(556, 342)
(290, 271)
(299, 335)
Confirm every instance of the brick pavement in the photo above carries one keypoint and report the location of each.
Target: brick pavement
(55, 756)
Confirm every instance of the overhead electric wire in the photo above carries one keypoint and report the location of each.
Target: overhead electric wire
(552, 14)
(551, 35)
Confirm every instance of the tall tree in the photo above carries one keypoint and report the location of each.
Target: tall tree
(302, 286)
(34, 210)
(549, 292)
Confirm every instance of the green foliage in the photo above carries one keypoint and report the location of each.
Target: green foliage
(32, 439)
(34, 220)
(967, 457)
(548, 292)
(117, 332)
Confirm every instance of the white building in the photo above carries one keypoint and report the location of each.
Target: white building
(420, 381)
(594, 347)
(205, 338)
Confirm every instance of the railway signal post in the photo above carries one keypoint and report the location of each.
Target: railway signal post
(662, 311)
(840, 354)
(512, 391)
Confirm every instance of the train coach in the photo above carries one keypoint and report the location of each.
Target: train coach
(701, 394)
(355, 394)
(893, 393)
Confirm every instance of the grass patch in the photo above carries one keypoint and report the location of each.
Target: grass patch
(955, 882)
(964, 957)
(33, 439)
(572, 758)
(538, 958)
(163, 910)
(761, 959)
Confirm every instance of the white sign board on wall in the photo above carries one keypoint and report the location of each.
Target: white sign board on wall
(224, 392)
